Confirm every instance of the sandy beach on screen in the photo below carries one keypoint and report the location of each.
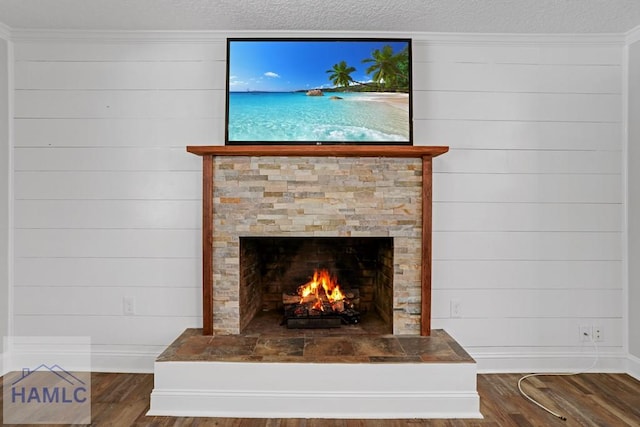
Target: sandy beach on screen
(398, 100)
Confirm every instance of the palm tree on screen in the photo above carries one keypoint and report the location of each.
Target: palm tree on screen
(340, 74)
(387, 67)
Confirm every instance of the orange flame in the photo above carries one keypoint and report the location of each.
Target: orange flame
(321, 279)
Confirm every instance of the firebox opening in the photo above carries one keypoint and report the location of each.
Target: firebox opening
(272, 269)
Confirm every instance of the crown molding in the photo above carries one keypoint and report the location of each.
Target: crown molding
(216, 36)
(92, 36)
(633, 35)
(5, 31)
(519, 39)
(179, 36)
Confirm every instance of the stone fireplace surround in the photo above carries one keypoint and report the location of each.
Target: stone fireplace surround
(316, 191)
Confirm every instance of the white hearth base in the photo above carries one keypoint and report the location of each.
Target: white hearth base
(315, 390)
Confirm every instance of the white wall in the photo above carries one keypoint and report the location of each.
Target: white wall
(4, 190)
(527, 213)
(634, 199)
(107, 199)
(527, 217)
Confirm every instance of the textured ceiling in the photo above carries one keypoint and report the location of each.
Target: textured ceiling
(465, 16)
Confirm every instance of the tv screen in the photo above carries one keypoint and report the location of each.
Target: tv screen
(318, 91)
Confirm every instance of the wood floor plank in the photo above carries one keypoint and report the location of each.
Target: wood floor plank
(585, 399)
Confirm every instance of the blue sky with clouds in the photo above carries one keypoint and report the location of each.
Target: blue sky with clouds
(287, 65)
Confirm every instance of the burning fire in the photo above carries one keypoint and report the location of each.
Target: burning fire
(321, 288)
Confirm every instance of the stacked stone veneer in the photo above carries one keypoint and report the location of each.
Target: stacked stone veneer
(317, 196)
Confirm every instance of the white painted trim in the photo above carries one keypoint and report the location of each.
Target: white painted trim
(5, 362)
(633, 35)
(633, 367)
(5, 32)
(136, 361)
(360, 405)
(10, 192)
(256, 390)
(5, 355)
(498, 363)
(123, 360)
(625, 199)
(92, 36)
(519, 39)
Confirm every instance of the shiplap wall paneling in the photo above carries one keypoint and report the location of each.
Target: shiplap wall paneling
(116, 132)
(105, 272)
(527, 274)
(107, 185)
(515, 134)
(527, 203)
(107, 199)
(514, 73)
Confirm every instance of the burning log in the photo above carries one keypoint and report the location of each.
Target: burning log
(291, 299)
(338, 306)
(298, 317)
(351, 297)
(320, 303)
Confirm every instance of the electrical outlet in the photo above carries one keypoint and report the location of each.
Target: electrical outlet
(456, 308)
(129, 306)
(586, 332)
(598, 334)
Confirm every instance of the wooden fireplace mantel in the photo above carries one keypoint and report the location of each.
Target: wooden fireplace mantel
(209, 152)
(318, 150)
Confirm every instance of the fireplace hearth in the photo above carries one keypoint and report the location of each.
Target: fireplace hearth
(272, 217)
(353, 375)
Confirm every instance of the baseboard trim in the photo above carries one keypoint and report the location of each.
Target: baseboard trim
(133, 361)
(5, 357)
(498, 363)
(124, 361)
(633, 366)
(137, 361)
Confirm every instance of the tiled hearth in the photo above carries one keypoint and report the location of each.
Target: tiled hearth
(315, 346)
(351, 372)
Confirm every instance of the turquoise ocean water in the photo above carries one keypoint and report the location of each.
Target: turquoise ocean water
(260, 116)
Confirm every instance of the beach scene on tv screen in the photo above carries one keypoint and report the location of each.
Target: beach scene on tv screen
(318, 91)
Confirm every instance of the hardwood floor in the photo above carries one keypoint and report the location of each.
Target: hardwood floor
(586, 400)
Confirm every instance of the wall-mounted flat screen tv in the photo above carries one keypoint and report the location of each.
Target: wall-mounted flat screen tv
(319, 91)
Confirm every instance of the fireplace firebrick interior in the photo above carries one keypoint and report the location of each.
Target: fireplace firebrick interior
(271, 266)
